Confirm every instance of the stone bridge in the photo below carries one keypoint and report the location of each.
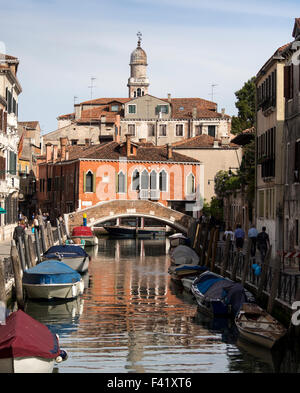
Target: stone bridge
(110, 210)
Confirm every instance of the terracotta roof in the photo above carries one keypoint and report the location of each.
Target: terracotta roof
(104, 101)
(244, 137)
(114, 151)
(199, 141)
(67, 116)
(96, 114)
(29, 124)
(296, 26)
(8, 57)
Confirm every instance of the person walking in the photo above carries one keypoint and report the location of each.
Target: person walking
(231, 237)
(239, 236)
(36, 224)
(263, 243)
(252, 235)
(19, 232)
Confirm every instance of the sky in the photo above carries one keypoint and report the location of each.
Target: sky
(190, 45)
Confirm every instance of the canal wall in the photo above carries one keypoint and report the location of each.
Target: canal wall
(23, 254)
(277, 286)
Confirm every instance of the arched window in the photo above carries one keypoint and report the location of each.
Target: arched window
(144, 180)
(89, 182)
(121, 183)
(139, 92)
(135, 180)
(190, 184)
(163, 180)
(153, 180)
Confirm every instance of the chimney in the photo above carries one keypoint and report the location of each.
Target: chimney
(67, 155)
(225, 140)
(48, 152)
(55, 152)
(216, 144)
(170, 151)
(169, 97)
(223, 112)
(194, 113)
(128, 145)
(87, 142)
(63, 145)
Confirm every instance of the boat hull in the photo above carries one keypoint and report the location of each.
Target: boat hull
(54, 291)
(26, 365)
(133, 232)
(88, 240)
(267, 342)
(79, 264)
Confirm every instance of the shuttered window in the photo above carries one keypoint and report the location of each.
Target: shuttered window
(288, 82)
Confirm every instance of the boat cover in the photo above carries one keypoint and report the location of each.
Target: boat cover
(190, 267)
(67, 251)
(51, 272)
(23, 336)
(184, 255)
(82, 231)
(215, 287)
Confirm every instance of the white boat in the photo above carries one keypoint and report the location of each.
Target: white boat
(187, 282)
(71, 255)
(52, 280)
(28, 346)
(257, 326)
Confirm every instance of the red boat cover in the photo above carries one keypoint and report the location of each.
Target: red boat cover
(82, 231)
(23, 336)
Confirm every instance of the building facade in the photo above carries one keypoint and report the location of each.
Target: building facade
(76, 177)
(159, 120)
(291, 209)
(30, 147)
(10, 89)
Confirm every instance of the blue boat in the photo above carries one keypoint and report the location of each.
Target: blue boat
(52, 279)
(219, 296)
(73, 256)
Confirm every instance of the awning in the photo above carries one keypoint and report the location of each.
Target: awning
(2, 211)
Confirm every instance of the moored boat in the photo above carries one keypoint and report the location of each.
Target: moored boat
(132, 232)
(84, 233)
(184, 255)
(71, 255)
(257, 326)
(28, 346)
(52, 279)
(178, 239)
(219, 296)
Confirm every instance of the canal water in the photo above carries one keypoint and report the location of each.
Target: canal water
(132, 318)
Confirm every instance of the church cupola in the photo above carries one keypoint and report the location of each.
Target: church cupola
(138, 82)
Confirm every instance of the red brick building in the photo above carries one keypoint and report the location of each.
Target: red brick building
(73, 177)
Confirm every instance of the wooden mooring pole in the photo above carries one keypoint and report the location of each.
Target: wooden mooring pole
(246, 262)
(274, 285)
(37, 245)
(214, 249)
(17, 274)
(226, 256)
(43, 236)
(59, 232)
(209, 249)
(2, 284)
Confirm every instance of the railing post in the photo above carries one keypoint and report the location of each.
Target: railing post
(264, 272)
(214, 249)
(274, 286)
(17, 274)
(211, 238)
(225, 257)
(246, 262)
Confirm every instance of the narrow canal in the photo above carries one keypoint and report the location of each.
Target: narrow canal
(133, 318)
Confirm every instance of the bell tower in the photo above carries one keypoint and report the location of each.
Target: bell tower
(138, 82)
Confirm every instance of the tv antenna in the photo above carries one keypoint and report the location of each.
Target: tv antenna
(212, 90)
(91, 87)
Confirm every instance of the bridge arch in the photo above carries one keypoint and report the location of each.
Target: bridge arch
(110, 210)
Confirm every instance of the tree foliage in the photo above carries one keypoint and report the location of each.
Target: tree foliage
(246, 107)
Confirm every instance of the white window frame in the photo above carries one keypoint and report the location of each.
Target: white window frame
(125, 191)
(167, 180)
(131, 113)
(87, 173)
(132, 124)
(187, 185)
(182, 125)
(132, 179)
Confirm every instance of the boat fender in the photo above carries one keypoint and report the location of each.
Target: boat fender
(257, 271)
(61, 357)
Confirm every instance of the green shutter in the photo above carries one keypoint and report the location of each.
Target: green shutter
(117, 182)
(94, 182)
(84, 181)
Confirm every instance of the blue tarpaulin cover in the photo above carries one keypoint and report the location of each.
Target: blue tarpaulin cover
(205, 285)
(67, 251)
(51, 272)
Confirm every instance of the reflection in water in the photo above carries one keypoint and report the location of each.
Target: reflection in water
(133, 318)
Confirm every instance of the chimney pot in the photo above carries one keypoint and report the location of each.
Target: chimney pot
(170, 151)
(48, 151)
(128, 145)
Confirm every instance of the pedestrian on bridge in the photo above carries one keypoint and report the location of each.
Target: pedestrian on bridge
(263, 243)
(239, 236)
(252, 234)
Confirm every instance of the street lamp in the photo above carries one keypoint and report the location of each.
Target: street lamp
(209, 180)
(230, 171)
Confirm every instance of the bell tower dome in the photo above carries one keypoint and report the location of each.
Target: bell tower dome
(138, 82)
